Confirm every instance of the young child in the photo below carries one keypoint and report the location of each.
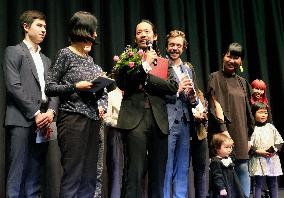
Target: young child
(224, 181)
(265, 144)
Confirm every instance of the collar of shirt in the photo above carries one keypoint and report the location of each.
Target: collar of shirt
(227, 161)
(30, 47)
(176, 66)
(178, 69)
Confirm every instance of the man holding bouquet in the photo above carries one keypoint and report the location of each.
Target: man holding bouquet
(143, 116)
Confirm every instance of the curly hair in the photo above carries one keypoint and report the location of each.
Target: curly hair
(177, 33)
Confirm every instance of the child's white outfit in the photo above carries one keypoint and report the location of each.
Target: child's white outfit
(263, 138)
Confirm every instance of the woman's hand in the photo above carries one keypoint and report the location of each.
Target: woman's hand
(84, 86)
(264, 153)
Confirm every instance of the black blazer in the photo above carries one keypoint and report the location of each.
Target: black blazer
(22, 84)
(141, 87)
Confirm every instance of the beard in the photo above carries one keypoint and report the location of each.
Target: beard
(173, 54)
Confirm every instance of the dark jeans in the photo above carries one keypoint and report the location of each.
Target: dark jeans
(271, 184)
(115, 161)
(78, 139)
(146, 143)
(26, 160)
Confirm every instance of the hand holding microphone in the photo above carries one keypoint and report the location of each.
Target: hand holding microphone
(184, 84)
(151, 53)
(188, 88)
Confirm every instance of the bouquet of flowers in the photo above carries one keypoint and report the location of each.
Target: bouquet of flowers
(130, 60)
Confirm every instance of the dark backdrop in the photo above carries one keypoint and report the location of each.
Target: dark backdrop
(210, 25)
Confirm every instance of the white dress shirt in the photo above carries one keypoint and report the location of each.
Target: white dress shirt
(39, 67)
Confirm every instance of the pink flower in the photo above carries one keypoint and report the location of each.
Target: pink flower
(140, 52)
(130, 54)
(116, 58)
(131, 64)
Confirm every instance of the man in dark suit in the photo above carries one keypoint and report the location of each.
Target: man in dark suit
(28, 108)
(143, 116)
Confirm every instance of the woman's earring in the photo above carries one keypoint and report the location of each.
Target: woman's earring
(241, 68)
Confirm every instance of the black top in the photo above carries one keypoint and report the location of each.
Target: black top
(68, 69)
(143, 90)
(223, 176)
(233, 93)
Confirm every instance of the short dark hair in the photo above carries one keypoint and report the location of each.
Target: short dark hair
(82, 26)
(150, 23)
(154, 29)
(256, 106)
(29, 16)
(235, 49)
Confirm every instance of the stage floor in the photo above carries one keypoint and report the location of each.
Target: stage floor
(281, 193)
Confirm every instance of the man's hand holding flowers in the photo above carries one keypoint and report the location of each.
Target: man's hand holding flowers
(130, 60)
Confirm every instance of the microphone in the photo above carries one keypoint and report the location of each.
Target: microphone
(150, 47)
(149, 44)
(190, 94)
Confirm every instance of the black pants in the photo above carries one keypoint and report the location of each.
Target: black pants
(26, 161)
(78, 139)
(146, 148)
(199, 157)
(115, 160)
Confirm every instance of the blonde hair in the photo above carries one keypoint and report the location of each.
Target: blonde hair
(217, 141)
(177, 33)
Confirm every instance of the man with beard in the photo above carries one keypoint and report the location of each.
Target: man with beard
(179, 110)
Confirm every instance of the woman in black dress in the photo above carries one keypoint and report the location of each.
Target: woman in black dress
(229, 109)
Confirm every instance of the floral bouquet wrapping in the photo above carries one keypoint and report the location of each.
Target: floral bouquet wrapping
(130, 60)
